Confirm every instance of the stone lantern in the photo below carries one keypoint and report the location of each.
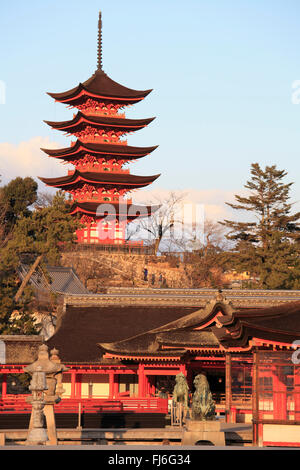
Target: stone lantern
(51, 369)
(37, 432)
(55, 358)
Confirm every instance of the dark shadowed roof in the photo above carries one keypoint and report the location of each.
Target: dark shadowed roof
(142, 329)
(279, 323)
(150, 343)
(81, 328)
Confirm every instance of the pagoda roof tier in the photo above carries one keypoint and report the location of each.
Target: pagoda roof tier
(80, 149)
(120, 210)
(78, 179)
(80, 121)
(102, 88)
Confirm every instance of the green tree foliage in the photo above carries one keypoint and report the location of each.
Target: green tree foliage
(268, 245)
(16, 198)
(45, 231)
(39, 232)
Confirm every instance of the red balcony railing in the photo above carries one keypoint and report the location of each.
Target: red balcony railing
(18, 404)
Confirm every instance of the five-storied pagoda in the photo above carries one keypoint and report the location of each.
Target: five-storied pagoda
(99, 182)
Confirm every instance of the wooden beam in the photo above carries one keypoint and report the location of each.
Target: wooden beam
(27, 278)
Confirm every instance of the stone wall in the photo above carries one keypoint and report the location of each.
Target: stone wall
(98, 269)
(20, 349)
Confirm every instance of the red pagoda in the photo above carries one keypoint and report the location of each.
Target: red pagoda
(99, 183)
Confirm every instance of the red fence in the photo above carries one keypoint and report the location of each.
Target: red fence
(18, 403)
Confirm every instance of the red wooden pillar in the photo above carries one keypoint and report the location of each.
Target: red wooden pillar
(78, 385)
(228, 394)
(141, 378)
(151, 385)
(73, 383)
(115, 385)
(279, 395)
(147, 385)
(182, 369)
(111, 375)
(255, 400)
(297, 392)
(4, 386)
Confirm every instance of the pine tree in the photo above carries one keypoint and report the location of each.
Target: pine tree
(268, 244)
(40, 233)
(16, 198)
(46, 231)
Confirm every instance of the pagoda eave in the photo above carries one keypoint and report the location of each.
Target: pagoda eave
(114, 150)
(82, 94)
(80, 122)
(103, 179)
(101, 87)
(99, 210)
(101, 120)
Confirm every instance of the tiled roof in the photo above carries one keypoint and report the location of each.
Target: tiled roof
(82, 328)
(63, 280)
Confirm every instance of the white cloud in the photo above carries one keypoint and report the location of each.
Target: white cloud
(27, 159)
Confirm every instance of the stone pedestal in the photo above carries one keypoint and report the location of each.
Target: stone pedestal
(51, 426)
(206, 431)
(37, 433)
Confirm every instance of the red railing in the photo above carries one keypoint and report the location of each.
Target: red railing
(145, 405)
(18, 404)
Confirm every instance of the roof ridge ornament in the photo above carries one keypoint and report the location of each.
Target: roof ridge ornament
(99, 55)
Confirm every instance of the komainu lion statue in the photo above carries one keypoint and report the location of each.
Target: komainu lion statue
(203, 406)
(181, 390)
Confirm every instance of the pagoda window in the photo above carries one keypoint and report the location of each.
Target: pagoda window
(106, 199)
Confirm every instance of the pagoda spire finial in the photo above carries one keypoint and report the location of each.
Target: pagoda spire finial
(99, 65)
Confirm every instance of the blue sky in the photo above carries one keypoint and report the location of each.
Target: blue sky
(221, 72)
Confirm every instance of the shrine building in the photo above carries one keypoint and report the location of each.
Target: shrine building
(124, 348)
